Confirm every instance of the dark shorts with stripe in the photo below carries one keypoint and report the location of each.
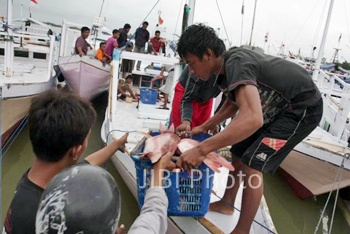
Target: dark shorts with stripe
(267, 147)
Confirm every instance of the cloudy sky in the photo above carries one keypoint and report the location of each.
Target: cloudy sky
(297, 24)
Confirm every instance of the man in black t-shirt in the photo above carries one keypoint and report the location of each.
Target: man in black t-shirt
(59, 128)
(123, 37)
(275, 105)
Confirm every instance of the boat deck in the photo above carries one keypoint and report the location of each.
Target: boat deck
(26, 71)
(129, 118)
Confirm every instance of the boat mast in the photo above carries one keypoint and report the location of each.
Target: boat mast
(192, 5)
(103, 1)
(323, 42)
(9, 42)
(242, 13)
(251, 33)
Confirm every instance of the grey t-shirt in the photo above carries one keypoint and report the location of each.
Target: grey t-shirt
(195, 89)
(282, 84)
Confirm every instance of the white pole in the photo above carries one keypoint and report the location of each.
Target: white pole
(323, 42)
(9, 43)
(251, 33)
(242, 12)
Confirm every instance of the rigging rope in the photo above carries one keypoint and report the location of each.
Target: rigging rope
(304, 23)
(177, 21)
(133, 35)
(222, 20)
(336, 180)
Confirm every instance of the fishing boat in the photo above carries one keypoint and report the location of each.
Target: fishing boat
(327, 147)
(27, 55)
(85, 75)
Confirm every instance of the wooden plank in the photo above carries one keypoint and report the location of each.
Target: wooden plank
(312, 174)
(210, 226)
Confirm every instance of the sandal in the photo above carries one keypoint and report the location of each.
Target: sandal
(163, 108)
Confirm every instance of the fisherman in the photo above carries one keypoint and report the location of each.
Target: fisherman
(59, 128)
(192, 102)
(112, 43)
(101, 54)
(96, 208)
(274, 105)
(168, 86)
(123, 35)
(125, 88)
(81, 45)
(157, 43)
(141, 37)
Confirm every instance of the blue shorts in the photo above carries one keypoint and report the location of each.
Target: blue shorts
(267, 147)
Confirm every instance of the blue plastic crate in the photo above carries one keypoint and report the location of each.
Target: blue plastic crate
(188, 195)
(148, 96)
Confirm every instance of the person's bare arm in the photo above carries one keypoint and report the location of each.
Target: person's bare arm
(81, 53)
(248, 120)
(103, 155)
(227, 110)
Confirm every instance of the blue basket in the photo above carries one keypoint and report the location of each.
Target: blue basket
(188, 194)
(148, 96)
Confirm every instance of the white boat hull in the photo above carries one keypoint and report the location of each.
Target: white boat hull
(85, 76)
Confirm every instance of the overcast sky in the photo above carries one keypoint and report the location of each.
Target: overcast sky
(295, 23)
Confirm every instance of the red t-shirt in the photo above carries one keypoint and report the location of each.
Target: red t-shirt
(157, 43)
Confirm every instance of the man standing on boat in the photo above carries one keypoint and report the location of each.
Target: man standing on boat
(274, 104)
(112, 43)
(81, 45)
(123, 35)
(141, 37)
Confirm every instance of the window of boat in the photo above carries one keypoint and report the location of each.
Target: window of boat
(39, 55)
(23, 54)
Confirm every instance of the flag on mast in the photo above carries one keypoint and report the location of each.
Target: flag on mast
(160, 20)
(35, 2)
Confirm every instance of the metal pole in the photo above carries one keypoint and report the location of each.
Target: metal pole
(251, 33)
(242, 12)
(192, 5)
(323, 42)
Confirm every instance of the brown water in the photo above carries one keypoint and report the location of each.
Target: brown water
(290, 215)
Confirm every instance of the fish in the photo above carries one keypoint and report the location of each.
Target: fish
(157, 146)
(213, 160)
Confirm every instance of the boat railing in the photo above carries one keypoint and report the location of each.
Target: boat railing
(144, 58)
(336, 96)
(35, 30)
(50, 56)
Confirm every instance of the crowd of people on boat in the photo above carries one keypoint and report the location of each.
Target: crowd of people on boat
(272, 104)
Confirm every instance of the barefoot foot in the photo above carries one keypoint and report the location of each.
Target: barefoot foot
(221, 207)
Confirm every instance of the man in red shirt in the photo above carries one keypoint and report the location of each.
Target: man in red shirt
(157, 43)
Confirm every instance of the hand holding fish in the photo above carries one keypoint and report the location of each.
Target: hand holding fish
(199, 129)
(184, 126)
(191, 158)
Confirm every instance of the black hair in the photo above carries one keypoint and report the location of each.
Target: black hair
(58, 120)
(83, 29)
(129, 77)
(197, 39)
(126, 26)
(157, 31)
(145, 22)
(115, 31)
(102, 43)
